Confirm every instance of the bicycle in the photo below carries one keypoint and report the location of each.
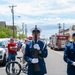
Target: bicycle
(17, 68)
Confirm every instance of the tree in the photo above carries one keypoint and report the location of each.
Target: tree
(3, 35)
(6, 32)
(22, 36)
(18, 30)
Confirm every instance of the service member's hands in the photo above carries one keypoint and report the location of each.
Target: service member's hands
(73, 63)
(36, 46)
(35, 60)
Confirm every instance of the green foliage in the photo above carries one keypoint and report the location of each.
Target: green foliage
(3, 35)
(22, 36)
(5, 32)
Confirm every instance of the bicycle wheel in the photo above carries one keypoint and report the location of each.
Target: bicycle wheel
(13, 68)
(25, 69)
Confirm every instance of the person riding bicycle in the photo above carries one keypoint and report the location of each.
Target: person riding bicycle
(12, 51)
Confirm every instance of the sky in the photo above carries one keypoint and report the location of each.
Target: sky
(46, 14)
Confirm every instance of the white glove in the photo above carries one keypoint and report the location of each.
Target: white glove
(35, 60)
(73, 63)
(36, 46)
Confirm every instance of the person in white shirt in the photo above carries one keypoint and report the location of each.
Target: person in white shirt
(23, 49)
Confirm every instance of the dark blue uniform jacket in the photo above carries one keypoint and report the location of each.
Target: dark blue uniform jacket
(29, 55)
(69, 58)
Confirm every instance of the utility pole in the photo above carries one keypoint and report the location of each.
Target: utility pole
(63, 28)
(59, 26)
(23, 28)
(26, 30)
(12, 11)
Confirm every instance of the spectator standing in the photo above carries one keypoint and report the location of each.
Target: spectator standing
(23, 49)
(12, 50)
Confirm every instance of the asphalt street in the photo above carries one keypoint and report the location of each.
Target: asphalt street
(54, 62)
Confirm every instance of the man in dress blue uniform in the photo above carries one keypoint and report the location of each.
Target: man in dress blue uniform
(41, 47)
(69, 57)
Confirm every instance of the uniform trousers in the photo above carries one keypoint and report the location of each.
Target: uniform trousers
(36, 73)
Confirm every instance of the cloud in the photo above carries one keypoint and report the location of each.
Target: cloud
(43, 7)
(40, 12)
(36, 7)
(4, 9)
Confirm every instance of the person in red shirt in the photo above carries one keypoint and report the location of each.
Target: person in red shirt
(12, 50)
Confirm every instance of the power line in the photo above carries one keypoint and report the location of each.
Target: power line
(4, 17)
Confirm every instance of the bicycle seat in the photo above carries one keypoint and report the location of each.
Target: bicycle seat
(19, 57)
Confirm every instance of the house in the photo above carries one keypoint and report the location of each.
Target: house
(68, 31)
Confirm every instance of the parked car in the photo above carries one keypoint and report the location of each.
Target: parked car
(3, 52)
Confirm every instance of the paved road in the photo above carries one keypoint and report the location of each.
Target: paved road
(54, 62)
